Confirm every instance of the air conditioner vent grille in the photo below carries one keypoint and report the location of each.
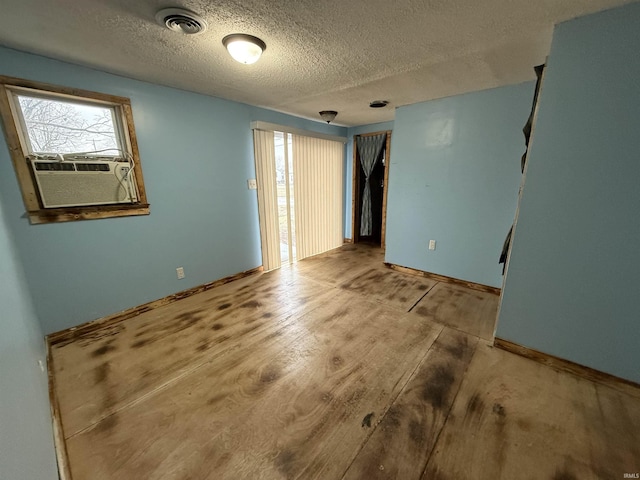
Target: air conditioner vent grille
(55, 167)
(180, 20)
(92, 167)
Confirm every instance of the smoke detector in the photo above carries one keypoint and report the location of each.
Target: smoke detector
(181, 20)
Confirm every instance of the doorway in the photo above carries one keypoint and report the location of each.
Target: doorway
(378, 180)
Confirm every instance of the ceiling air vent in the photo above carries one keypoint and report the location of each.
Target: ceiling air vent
(379, 103)
(180, 20)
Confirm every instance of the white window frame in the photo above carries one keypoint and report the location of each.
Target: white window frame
(20, 148)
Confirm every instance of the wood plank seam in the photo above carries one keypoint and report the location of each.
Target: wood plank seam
(420, 299)
(141, 398)
(390, 404)
(446, 418)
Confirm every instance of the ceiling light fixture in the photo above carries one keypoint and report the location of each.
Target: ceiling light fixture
(379, 103)
(328, 115)
(244, 48)
(181, 20)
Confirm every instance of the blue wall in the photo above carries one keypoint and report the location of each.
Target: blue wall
(26, 438)
(197, 154)
(454, 178)
(572, 285)
(348, 170)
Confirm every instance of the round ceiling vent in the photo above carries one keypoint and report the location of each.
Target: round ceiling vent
(181, 20)
(379, 103)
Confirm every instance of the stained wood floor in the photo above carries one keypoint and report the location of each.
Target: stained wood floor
(335, 368)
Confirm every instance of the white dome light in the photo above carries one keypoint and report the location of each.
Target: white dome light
(244, 48)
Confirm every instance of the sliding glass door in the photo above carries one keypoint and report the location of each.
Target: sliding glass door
(300, 182)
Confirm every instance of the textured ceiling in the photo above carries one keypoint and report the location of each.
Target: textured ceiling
(321, 54)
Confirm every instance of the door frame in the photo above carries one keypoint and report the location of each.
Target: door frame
(355, 188)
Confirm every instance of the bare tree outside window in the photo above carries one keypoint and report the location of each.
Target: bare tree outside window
(56, 126)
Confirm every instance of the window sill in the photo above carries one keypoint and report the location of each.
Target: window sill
(72, 214)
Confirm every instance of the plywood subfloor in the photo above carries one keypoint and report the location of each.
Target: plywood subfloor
(333, 368)
(470, 311)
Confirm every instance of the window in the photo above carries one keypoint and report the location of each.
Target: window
(74, 152)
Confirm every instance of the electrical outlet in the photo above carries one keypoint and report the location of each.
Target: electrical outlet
(180, 272)
(252, 184)
(432, 244)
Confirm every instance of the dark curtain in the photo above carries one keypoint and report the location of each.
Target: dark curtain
(369, 150)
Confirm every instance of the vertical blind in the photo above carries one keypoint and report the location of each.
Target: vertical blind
(265, 157)
(318, 184)
(317, 180)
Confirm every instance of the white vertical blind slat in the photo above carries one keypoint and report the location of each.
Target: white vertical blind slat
(264, 152)
(318, 179)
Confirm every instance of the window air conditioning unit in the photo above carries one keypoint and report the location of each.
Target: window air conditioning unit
(73, 183)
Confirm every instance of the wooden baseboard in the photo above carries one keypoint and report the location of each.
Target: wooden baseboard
(348, 240)
(60, 445)
(558, 363)
(65, 336)
(444, 278)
